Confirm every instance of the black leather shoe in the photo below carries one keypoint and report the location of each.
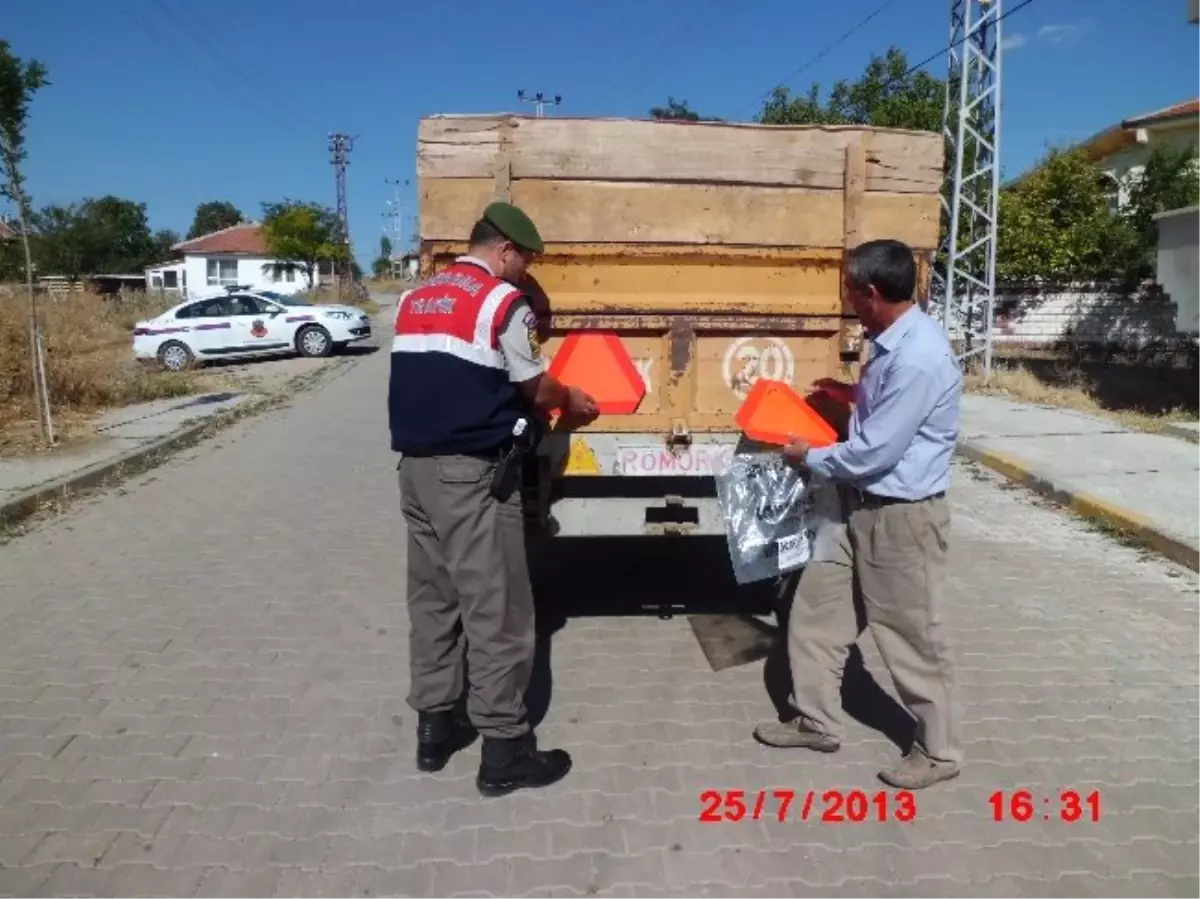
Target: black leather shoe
(439, 736)
(510, 765)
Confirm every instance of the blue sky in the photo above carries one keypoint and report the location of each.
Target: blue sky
(174, 103)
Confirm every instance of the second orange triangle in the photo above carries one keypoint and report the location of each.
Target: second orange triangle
(773, 412)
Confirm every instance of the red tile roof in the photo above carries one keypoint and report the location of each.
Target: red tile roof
(246, 239)
(7, 232)
(1175, 111)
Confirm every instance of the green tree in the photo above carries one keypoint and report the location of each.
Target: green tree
(1056, 225)
(886, 95)
(1168, 181)
(383, 263)
(301, 235)
(19, 81)
(61, 246)
(105, 235)
(213, 216)
(161, 243)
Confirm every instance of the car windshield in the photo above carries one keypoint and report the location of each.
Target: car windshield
(284, 299)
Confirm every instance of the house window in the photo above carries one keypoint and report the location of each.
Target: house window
(1111, 189)
(222, 272)
(170, 280)
(156, 282)
(290, 276)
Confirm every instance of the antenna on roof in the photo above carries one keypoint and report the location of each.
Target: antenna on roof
(539, 100)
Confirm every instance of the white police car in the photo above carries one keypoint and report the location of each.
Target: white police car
(244, 323)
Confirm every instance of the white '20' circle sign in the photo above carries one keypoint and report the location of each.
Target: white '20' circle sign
(751, 358)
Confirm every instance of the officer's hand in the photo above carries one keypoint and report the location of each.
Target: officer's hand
(840, 391)
(581, 408)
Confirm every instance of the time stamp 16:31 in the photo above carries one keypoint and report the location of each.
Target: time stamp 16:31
(1025, 805)
(856, 806)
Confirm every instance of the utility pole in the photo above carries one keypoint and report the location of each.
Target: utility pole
(340, 146)
(966, 294)
(539, 100)
(395, 211)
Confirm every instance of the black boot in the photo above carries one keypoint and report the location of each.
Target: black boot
(439, 736)
(509, 765)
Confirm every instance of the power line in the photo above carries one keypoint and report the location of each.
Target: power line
(249, 73)
(1020, 6)
(927, 60)
(168, 38)
(652, 53)
(829, 48)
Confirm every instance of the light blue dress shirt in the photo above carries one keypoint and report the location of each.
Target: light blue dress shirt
(904, 425)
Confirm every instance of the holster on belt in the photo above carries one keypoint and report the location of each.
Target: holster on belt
(508, 470)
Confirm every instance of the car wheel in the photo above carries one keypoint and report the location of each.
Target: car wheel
(314, 341)
(175, 356)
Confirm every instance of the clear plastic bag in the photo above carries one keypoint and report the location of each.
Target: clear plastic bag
(770, 521)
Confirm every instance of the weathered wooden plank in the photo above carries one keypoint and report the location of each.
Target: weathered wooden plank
(719, 153)
(903, 161)
(853, 195)
(636, 213)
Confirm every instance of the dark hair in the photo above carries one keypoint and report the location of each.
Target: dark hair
(485, 233)
(887, 265)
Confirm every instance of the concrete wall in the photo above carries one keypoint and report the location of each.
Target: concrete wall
(1178, 264)
(1081, 313)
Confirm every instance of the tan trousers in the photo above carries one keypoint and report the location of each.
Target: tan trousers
(470, 602)
(885, 573)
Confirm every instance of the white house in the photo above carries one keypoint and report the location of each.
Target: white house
(1178, 264)
(1122, 150)
(234, 255)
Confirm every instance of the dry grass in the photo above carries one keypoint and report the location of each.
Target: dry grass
(1140, 397)
(389, 285)
(89, 364)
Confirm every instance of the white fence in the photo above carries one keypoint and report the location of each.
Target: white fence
(1088, 313)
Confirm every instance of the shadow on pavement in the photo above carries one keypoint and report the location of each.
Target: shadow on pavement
(357, 349)
(863, 699)
(692, 577)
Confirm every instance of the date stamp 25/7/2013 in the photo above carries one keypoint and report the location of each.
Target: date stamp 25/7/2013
(828, 806)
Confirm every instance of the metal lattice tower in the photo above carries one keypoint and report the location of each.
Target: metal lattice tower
(340, 146)
(964, 274)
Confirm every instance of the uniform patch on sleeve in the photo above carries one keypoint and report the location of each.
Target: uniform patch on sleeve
(535, 342)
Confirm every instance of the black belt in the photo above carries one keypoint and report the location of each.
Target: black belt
(874, 500)
(491, 454)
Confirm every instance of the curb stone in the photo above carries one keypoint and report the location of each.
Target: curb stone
(1086, 505)
(110, 472)
(1186, 433)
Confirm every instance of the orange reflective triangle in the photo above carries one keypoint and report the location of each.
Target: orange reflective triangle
(773, 410)
(596, 362)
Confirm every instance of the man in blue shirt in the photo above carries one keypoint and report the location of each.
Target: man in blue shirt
(884, 569)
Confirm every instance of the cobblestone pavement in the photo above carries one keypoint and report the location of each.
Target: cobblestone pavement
(204, 675)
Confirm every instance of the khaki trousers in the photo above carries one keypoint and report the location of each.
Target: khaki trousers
(470, 602)
(885, 573)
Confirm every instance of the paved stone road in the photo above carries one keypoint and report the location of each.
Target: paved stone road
(203, 682)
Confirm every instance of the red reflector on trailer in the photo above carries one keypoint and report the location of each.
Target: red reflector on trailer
(597, 363)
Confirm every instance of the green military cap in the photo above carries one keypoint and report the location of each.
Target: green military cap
(515, 225)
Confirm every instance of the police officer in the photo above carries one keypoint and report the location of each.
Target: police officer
(466, 367)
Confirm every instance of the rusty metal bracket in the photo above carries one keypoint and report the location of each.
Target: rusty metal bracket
(681, 435)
